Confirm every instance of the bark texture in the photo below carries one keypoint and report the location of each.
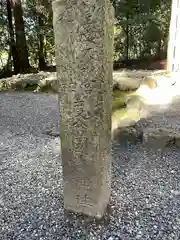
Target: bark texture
(22, 64)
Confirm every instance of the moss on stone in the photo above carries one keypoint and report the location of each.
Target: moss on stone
(119, 114)
(120, 99)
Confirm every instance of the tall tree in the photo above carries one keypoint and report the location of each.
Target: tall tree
(21, 45)
(11, 36)
(41, 50)
(44, 14)
(5, 51)
(141, 28)
(39, 12)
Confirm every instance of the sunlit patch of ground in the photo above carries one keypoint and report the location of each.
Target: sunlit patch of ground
(164, 94)
(121, 115)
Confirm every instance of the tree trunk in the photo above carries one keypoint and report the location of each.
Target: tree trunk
(84, 60)
(127, 30)
(127, 37)
(11, 35)
(21, 45)
(42, 62)
(159, 50)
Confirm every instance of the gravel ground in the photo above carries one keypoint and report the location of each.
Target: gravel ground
(145, 200)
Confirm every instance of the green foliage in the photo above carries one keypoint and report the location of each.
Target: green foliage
(33, 11)
(141, 29)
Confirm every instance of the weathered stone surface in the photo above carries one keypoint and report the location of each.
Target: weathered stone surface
(124, 80)
(125, 83)
(128, 116)
(131, 80)
(123, 125)
(135, 102)
(177, 140)
(84, 52)
(127, 135)
(49, 82)
(160, 138)
(40, 81)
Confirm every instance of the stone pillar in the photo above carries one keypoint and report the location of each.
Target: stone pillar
(84, 51)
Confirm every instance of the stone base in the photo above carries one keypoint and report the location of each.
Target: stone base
(97, 211)
(88, 196)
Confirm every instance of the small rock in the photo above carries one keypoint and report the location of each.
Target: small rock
(135, 102)
(110, 238)
(175, 192)
(177, 140)
(125, 83)
(52, 132)
(127, 135)
(158, 137)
